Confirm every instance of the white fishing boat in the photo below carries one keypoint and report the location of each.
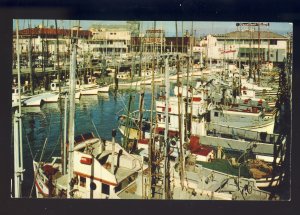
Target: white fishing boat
(252, 86)
(96, 174)
(54, 86)
(250, 118)
(104, 89)
(92, 89)
(206, 184)
(89, 91)
(39, 99)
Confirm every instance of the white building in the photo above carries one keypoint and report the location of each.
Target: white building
(246, 45)
(108, 41)
(44, 41)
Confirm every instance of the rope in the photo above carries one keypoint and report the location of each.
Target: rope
(58, 140)
(94, 126)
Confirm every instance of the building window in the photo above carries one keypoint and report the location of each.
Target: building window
(216, 114)
(273, 42)
(105, 189)
(82, 181)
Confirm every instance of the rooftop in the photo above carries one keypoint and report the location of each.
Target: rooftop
(50, 32)
(251, 34)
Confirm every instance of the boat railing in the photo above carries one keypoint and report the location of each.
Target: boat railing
(243, 133)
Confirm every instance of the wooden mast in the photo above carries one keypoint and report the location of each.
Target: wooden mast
(179, 96)
(72, 112)
(62, 142)
(166, 174)
(30, 59)
(151, 142)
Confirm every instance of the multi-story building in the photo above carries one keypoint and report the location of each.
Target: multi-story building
(44, 41)
(246, 46)
(156, 39)
(107, 41)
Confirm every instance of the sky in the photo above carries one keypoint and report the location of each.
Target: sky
(202, 28)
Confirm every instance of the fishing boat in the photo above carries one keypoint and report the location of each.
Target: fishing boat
(96, 174)
(91, 87)
(104, 89)
(203, 183)
(54, 86)
(89, 91)
(244, 117)
(39, 99)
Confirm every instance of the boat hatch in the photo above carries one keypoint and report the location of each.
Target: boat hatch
(84, 137)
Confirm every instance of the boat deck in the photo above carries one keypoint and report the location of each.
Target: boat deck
(123, 173)
(130, 192)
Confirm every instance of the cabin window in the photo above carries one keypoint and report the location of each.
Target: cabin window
(159, 117)
(93, 186)
(216, 114)
(105, 189)
(82, 181)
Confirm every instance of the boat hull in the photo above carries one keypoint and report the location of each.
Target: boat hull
(39, 99)
(89, 91)
(103, 89)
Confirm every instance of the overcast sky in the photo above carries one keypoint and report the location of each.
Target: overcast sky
(202, 28)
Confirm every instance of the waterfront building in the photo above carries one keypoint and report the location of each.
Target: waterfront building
(248, 45)
(146, 42)
(108, 40)
(43, 42)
